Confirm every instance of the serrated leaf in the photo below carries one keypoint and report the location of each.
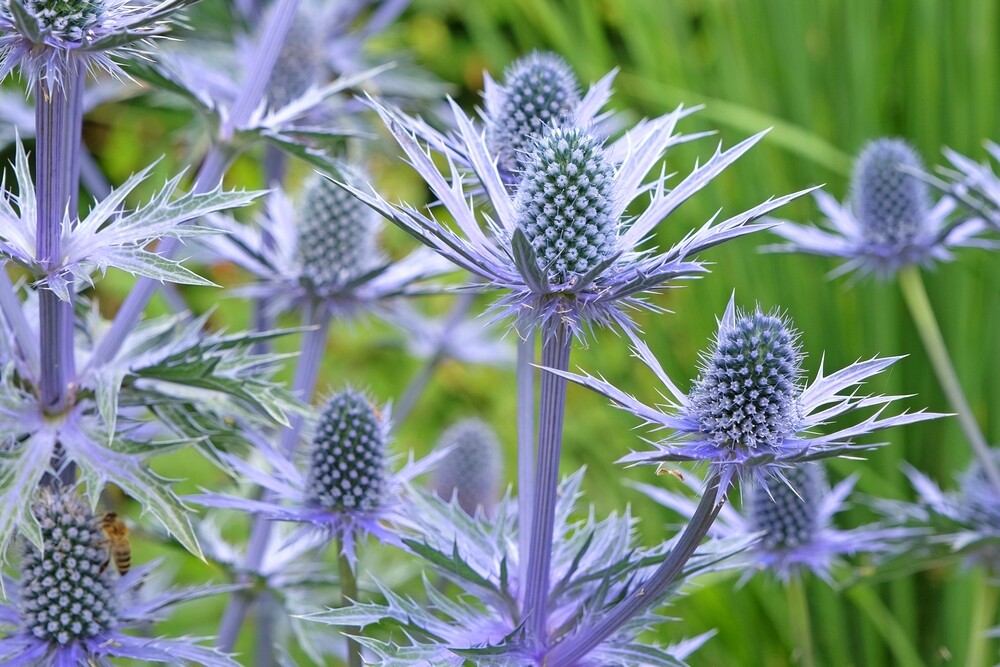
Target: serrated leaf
(156, 498)
(107, 385)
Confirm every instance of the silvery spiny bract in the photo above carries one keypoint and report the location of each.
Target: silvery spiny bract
(974, 184)
(539, 92)
(760, 421)
(338, 235)
(472, 467)
(347, 463)
(889, 222)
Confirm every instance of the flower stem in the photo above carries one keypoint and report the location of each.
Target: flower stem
(303, 386)
(212, 169)
(556, 344)
(984, 615)
(525, 450)
(798, 608)
(923, 316)
(574, 648)
(417, 385)
(349, 594)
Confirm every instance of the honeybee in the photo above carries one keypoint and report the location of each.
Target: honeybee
(117, 543)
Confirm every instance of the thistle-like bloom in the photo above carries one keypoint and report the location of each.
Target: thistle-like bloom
(973, 512)
(68, 609)
(539, 92)
(347, 488)
(974, 184)
(889, 222)
(595, 562)
(793, 516)
(472, 467)
(324, 252)
(747, 414)
(562, 247)
(47, 38)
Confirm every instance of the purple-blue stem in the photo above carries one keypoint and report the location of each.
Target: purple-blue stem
(303, 386)
(525, 450)
(419, 383)
(349, 594)
(575, 647)
(212, 169)
(557, 341)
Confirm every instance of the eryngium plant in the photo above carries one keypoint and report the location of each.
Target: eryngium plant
(472, 466)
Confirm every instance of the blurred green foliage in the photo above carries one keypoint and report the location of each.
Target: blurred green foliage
(827, 76)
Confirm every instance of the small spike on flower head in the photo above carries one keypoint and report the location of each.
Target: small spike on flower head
(747, 395)
(64, 594)
(347, 465)
(471, 470)
(540, 93)
(891, 205)
(338, 235)
(565, 204)
(65, 19)
(979, 500)
(786, 511)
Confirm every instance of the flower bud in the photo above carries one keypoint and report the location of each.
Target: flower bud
(471, 470)
(786, 511)
(890, 204)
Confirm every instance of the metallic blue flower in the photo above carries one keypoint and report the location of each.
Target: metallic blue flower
(972, 512)
(68, 609)
(47, 38)
(472, 467)
(889, 222)
(793, 517)
(539, 92)
(344, 488)
(974, 184)
(746, 415)
(323, 252)
(592, 271)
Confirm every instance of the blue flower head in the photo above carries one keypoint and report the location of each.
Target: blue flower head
(786, 511)
(69, 609)
(68, 20)
(890, 221)
(747, 414)
(301, 61)
(338, 235)
(565, 206)
(747, 395)
(471, 469)
(347, 463)
(539, 92)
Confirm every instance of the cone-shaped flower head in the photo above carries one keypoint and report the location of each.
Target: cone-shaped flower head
(300, 62)
(338, 235)
(347, 465)
(565, 204)
(747, 395)
(65, 19)
(64, 594)
(539, 92)
(787, 511)
(891, 204)
(471, 470)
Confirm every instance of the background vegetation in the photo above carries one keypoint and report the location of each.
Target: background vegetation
(827, 75)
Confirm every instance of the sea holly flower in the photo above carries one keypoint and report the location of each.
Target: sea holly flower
(974, 184)
(47, 38)
(793, 515)
(324, 252)
(471, 468)
(595, 561)
(562, 247)
(971, 513)
(110, 236)
(747, 414)
(347, 488)
(67, 608)
(889, 222)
